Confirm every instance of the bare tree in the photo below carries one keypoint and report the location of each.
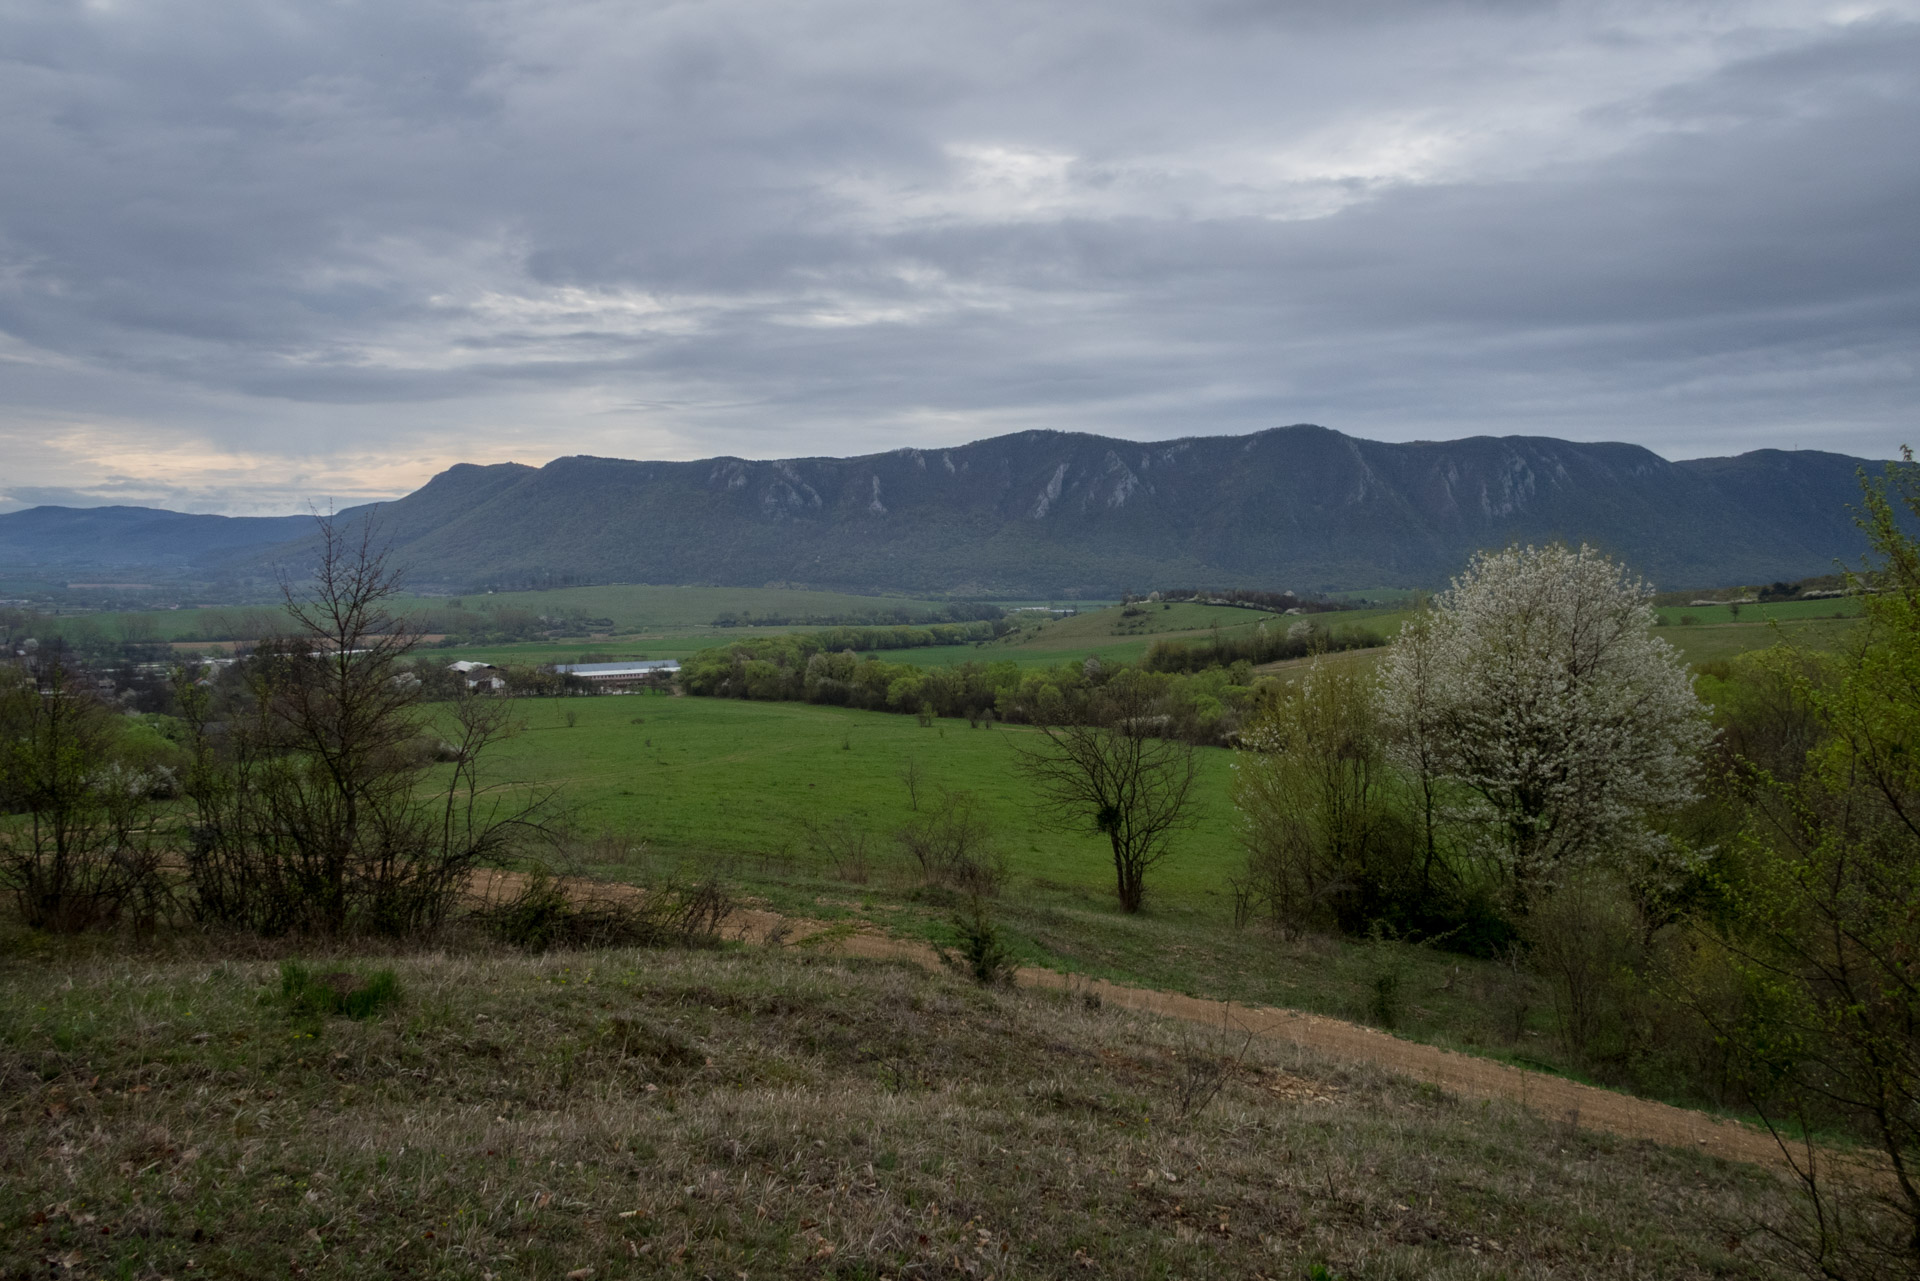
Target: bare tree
(312, 806)
(910, 775)
(1119, 778)
(953, 845)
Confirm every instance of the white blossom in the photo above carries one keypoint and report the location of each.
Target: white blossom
(1536, 686)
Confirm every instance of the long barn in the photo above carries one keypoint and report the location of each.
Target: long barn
(657, 671)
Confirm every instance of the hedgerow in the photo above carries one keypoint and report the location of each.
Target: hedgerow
(1200, 707)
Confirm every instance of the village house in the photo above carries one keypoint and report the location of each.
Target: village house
(480, 675)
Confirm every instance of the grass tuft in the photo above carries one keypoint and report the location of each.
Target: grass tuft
(547, 913)
(338, 992)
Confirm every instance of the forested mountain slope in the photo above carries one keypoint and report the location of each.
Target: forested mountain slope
(1044, 513)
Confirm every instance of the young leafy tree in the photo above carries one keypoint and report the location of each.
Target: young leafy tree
(1536, 690)
(1118, 778)
(1824, 918)
(1412, 735)
(83, 855)
(1312, 785)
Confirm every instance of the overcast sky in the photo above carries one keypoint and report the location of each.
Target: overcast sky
(254, 256)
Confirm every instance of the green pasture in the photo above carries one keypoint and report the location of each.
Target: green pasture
(631, 607)
(1189, 621)
(1719, 641)
(1786, 611)
(753, 782)
(636, 608)
(1112, 636)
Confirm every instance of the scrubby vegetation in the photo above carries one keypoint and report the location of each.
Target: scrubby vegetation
(306, 807)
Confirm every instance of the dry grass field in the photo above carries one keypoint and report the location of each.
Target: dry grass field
(766, 1112)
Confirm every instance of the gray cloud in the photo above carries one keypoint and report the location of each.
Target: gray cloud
(279, 252)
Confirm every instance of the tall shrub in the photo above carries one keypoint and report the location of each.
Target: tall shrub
(1324, 848)
(83, 854)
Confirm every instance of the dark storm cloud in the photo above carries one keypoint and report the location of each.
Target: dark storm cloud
(275, 247)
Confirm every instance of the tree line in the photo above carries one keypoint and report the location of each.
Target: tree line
(898, 616)
(1250, 598)
(1202, 707)
(1297, 639)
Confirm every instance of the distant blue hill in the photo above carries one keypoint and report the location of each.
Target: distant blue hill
(135, 537)
(1044, 513)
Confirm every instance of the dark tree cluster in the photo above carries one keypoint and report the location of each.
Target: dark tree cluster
(1250, 598)
(1266, 645)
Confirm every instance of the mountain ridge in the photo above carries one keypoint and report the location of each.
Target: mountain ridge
(1041, 513)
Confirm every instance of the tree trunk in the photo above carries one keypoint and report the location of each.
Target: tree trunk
(1128, 878)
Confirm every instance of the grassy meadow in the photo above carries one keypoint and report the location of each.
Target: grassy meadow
(800, 806)
(764, 1112)
(1786, 611)
(1716, 641)
(1113, 636)
(731, 779)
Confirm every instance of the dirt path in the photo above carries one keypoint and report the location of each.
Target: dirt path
(1465, 1075)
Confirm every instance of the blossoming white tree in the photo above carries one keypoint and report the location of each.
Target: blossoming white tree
(1537, 691)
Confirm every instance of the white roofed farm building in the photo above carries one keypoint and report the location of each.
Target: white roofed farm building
(642, 674)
